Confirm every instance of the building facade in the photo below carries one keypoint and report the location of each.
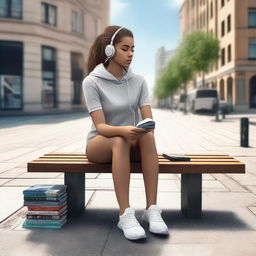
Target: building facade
(44, 47)
(233, 22)
(162, 57)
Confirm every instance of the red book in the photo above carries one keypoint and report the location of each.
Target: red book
(45, 208)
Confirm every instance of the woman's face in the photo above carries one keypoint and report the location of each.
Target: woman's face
(124, 51)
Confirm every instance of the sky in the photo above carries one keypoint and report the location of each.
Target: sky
(154, 23)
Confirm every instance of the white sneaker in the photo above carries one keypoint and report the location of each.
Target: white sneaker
(130, 225)
(156, 223)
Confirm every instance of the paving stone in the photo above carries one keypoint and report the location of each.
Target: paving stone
(3, 181)
(13, 173)
(31, 182)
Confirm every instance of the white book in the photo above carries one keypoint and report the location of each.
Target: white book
(146, 120)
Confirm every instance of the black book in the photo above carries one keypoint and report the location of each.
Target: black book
(176, 157)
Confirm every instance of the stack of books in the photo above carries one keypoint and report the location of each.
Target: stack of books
(47, 206)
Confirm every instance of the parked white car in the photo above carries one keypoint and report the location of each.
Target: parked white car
(202, 99)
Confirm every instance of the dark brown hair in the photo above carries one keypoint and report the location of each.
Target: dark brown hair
(97, 51)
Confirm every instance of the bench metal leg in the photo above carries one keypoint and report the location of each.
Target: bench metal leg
(75, 182)
(191, 195)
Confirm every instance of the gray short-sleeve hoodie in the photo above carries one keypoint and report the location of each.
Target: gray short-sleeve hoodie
(102, 90)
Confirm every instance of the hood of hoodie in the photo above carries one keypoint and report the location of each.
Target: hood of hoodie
(101, 72)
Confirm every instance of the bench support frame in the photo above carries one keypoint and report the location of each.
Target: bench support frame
(75, 182)
(191, 195)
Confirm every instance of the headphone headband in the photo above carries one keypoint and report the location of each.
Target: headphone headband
(113, 37)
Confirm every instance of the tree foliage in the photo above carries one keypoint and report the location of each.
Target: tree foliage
(196, 53)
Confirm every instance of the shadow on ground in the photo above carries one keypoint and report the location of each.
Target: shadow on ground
(96, 233)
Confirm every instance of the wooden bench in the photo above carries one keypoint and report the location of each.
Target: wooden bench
(75, 165)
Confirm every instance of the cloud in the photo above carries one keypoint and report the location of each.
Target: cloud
(117, 7)
(175, 3)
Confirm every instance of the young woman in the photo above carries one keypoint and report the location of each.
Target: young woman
(113, 94)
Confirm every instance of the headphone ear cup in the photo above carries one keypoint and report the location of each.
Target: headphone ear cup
(110, 50)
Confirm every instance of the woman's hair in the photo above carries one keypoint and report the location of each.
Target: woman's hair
(97, 51)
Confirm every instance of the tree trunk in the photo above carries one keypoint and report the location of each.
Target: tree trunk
(203, 86)
(185, 102)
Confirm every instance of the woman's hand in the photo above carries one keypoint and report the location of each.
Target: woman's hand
(132, 133)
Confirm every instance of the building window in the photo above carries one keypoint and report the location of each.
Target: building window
(252, 49)
(77, 22)
(240, 90)
(222, 3)
(48, 93)
(77, 75)
(229, 23)
(11, 74)
(229, 52)
(252, 17)
(222, 28)
(211, 10)
(96, 26)
(223, 56)
(49, 14)
(11, 9)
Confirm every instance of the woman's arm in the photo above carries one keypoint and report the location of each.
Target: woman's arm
(104, 129)
(146, 113)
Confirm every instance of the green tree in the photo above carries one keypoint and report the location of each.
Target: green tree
(196, 53)
(202, 49)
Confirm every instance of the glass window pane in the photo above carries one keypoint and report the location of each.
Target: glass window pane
(48, 75)
(252, 19)
(3, 8)
(81, 24)
(16, 8)
(47, 94)
(43, 12)
(252, 50)
(10, 91)
(240, 94)
(48, 54)
(52, 15)
(72, 20)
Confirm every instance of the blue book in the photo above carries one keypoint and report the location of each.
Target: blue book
(35, 196)
(44, 203)
(26, 225)
(48, 190)
(47, 222)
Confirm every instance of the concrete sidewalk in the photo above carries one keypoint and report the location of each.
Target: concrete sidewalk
(228, 225)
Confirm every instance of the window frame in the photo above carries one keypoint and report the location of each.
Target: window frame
(9, 5)
(46, 18)
(251, 41)
(250, 9)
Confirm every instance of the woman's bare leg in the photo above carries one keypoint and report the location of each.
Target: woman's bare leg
(150, 166)
(103, 149)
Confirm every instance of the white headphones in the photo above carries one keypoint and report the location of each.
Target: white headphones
(110, 49)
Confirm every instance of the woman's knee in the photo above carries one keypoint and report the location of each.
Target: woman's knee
(147, 136)
(119, 141)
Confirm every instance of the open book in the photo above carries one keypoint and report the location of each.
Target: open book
(147, 123)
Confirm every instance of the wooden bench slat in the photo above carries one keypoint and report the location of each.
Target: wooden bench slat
(160, 160)
(85, 157)
(159, 154)
(161, 163)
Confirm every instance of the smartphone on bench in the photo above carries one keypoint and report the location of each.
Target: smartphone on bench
(176, 157)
